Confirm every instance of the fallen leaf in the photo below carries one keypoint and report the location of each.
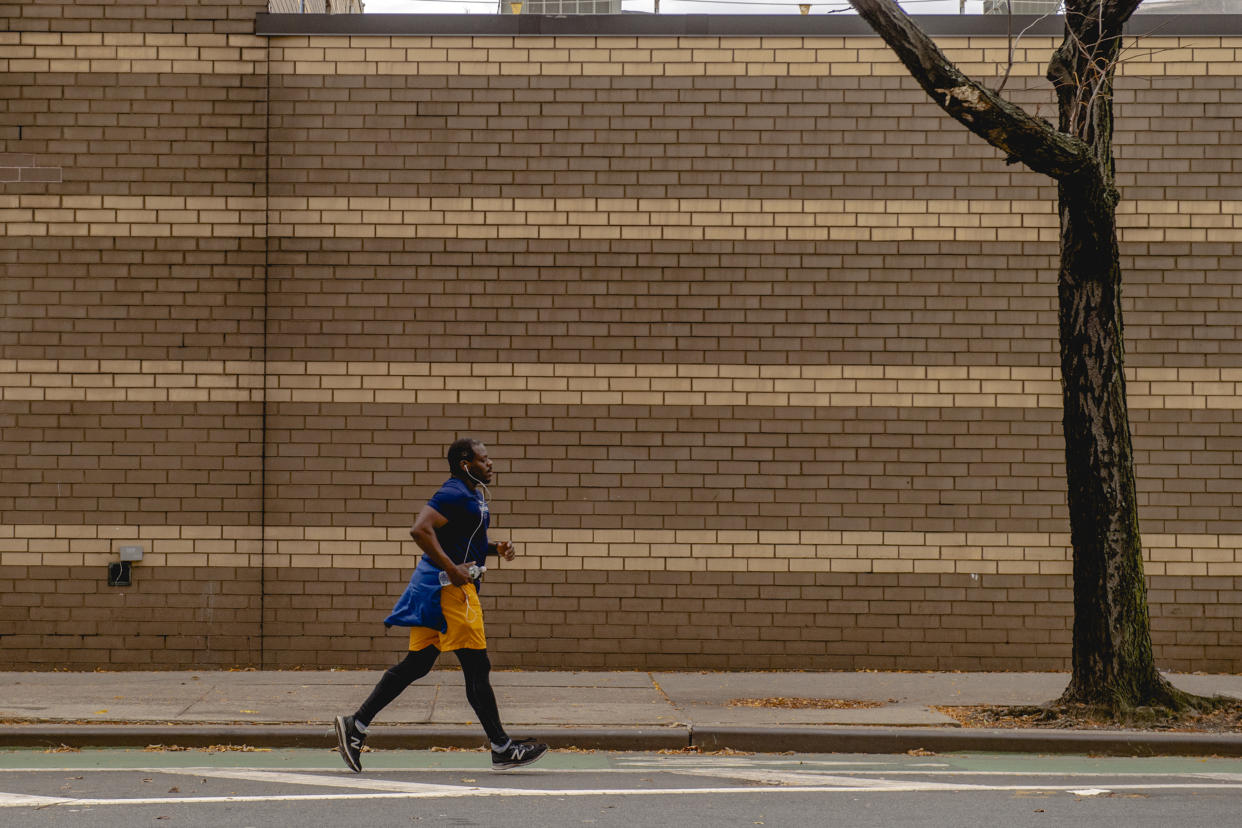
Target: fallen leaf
(806, 704)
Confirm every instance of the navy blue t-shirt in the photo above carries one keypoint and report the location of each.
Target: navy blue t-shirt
(468, 519)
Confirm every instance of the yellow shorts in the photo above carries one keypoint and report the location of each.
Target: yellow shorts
(464, 615)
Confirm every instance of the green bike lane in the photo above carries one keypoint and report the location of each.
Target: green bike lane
(171, 756)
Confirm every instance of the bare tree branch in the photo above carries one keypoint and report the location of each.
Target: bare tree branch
(1013, 40)
(1086, 87)
(1002, 124)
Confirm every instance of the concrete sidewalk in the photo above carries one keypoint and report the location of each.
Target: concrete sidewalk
(604, 710)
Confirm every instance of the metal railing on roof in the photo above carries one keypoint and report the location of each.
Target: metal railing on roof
(315, 6)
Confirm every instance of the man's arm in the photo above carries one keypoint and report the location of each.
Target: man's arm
(424, 534)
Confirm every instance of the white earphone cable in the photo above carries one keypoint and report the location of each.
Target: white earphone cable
(483, 511)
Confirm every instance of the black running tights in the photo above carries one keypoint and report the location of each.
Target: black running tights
(475, 667)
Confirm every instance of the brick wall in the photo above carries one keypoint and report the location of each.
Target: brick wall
(136, 16)
(764, 348)
(133, 287)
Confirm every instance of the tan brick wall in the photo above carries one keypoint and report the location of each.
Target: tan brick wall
(764, 346)
(149, 119)
(116, 16)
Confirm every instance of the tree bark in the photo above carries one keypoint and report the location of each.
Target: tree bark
(1112, 659)
(1113, 666)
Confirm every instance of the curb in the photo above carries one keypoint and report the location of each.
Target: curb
(323, 736)
(955, 740)
(710, 738)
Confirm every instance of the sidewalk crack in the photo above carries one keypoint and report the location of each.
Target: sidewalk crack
(660, 690)
(681, 718)
(202, 698)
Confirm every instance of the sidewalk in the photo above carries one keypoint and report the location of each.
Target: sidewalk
(605, 710)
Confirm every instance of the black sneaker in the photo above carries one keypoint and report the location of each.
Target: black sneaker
(518, 753)
(349, 741)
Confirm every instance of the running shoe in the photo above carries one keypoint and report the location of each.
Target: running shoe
(349, 741)
(517, 754)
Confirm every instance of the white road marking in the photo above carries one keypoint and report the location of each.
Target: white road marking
(774, 776)
(630, 771)
(1224, 777)
(706, 761)
(804, 779)
(9, 800)
(368, 783)
(329, 773)
(567, 792)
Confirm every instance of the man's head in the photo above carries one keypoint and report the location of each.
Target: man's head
(468, 460)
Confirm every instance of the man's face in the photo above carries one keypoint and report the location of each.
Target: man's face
(480, 468)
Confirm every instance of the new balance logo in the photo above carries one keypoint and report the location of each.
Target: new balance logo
(349, 742)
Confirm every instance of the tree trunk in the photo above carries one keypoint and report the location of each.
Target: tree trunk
(1112, 658)
(1112, 655)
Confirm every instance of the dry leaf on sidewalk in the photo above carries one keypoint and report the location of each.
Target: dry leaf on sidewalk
(806, 704)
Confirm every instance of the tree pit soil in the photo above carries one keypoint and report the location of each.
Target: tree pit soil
(1225, 718)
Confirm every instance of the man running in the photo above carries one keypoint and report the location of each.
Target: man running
(441, 608)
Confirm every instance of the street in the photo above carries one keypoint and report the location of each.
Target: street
(310, 787)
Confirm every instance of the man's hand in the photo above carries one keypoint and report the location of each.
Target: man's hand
(459, 574)
(505, 550)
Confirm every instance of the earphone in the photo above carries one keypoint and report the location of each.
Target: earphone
(483, 495)
(466, 468)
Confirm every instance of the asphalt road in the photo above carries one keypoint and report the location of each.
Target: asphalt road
(127, 788)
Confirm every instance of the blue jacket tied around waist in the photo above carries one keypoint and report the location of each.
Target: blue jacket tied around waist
(419, 605)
